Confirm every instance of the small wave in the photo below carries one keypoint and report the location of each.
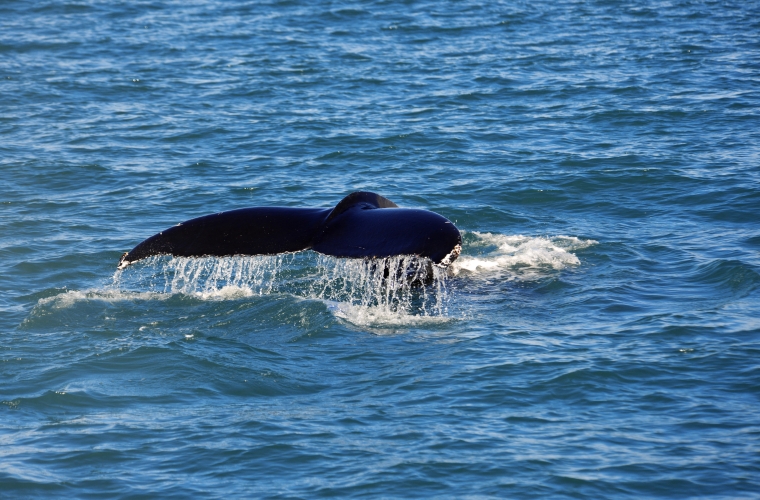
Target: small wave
(69, 298)
(111, 295)
(487, 252)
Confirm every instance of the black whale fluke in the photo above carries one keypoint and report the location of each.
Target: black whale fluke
(362, 225)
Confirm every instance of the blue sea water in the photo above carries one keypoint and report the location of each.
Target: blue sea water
(598, 337)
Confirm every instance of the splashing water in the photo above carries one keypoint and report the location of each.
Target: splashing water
(403, 284)
(489, 253)
(390, 287)
(394, 291)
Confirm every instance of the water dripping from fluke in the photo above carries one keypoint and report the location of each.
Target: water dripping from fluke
(393, 290)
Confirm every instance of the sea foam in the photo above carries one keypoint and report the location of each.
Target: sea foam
(488, 252)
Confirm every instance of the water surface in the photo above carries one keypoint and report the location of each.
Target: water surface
(598, 337)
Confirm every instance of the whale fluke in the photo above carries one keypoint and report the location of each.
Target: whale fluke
(361, 225)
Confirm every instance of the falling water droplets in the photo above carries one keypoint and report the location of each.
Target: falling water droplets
(361, 290)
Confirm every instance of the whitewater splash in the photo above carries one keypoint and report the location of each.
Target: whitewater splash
(359, 290)
(517, 255)
(395, 291)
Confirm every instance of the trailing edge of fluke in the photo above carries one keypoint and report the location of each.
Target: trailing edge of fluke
(362, 225)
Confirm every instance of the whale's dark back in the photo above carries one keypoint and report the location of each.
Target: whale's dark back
(363, 224)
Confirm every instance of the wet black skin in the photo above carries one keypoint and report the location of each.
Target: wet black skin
(362, 225)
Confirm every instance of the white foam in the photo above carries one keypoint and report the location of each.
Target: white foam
(71, 297)
(381, 316)
(227, 292)
(502, 252)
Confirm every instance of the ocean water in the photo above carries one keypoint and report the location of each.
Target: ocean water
(598, 337)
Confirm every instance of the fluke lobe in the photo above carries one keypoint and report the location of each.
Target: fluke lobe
(362, 225)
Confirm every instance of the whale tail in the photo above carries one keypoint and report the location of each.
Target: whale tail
(361, 225)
